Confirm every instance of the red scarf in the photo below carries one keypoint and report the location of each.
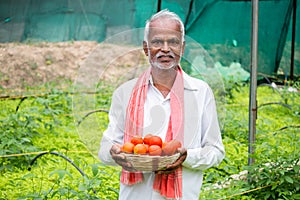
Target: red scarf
(168, 185)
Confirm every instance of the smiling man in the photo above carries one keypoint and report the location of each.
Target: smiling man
(167, 102)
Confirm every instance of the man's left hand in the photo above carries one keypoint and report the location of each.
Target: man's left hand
(171, 167)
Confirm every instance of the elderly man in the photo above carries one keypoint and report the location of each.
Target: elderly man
(167, 102)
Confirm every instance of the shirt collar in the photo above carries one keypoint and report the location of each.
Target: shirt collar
(187, 83)
(151, 84)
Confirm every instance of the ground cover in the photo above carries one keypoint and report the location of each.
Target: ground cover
(48, 125)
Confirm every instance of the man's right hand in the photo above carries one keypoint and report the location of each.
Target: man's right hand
(120, 159)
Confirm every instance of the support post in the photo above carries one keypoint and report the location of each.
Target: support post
(158, 6)
(293, 41)
(253, 83)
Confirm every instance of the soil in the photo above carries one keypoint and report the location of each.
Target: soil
(29, 65)
(86, 63)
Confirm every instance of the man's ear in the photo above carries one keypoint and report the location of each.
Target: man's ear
(145, 48)
(183, 47)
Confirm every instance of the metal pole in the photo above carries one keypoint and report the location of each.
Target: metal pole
(158, 6)
(253, 83)
(293, 41)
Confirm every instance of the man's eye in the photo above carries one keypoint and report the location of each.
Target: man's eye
(157, 42)
(173, 42)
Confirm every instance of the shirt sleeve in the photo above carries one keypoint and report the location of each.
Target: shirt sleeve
(114, 132)
(211, 150)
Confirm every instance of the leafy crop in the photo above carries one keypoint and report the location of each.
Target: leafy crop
(278, 180)
(22, 125)
(275, 174)
(46, 122)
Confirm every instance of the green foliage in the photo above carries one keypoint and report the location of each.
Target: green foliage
(276, 150)
(53, 178)
(232, 86)
(277, 180)
(17, 131)
(46, 122)
(65, 185)
(20, 127)
(236, 122)
(104, 92)
(278, 166)
(186, 66)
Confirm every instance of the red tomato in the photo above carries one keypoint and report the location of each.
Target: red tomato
(147, 138)
(140, 149)
(155, 140)
(127, 147)
(155, 150)
(171, 147)
(136, 140)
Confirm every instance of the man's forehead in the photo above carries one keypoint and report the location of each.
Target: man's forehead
(164, 23)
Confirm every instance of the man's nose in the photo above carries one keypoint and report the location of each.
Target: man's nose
(165, 47)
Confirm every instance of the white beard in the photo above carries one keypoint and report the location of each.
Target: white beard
(156, 64)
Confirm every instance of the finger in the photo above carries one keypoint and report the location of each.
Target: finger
(182, 151)
(171, 167)
(179, 161)
(121, 160)
(128, 166)
(115, 149)
(119, 157)
(124, 164)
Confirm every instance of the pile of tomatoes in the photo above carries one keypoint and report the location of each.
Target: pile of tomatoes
(151, 145)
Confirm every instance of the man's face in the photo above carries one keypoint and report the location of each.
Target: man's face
(165, 45)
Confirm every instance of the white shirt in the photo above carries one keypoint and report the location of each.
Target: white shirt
(204, 146)
(156, 112)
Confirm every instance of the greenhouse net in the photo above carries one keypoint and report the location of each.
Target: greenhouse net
(223, 28)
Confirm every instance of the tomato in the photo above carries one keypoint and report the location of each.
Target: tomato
(155, 150)
(155, 140)
(171, 147)
(140, 149)
(147, 147)
(147, 138)
(136, 140)
(127, 147)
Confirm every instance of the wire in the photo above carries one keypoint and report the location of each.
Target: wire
(60, 155)
(57, 154)
(33, 153)
(248, 191)
(91, 112)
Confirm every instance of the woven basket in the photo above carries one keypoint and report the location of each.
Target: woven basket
(150, 163)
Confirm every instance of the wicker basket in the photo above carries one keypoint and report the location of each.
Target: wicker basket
(150, 163)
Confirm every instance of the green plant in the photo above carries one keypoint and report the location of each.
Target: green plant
(18, 129)
(231, 86)
(277, 180)
(46, 122)
(65, 184)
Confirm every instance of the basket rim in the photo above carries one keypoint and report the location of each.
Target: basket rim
(148, 156)
(148, 163)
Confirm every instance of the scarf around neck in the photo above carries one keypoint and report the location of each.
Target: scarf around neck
(168, 185)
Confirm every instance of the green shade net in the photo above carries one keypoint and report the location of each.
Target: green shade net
(222, 27)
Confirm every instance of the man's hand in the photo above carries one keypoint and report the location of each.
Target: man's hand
(171, 167)
(120, 159)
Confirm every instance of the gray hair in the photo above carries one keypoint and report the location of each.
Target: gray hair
(167, 14)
